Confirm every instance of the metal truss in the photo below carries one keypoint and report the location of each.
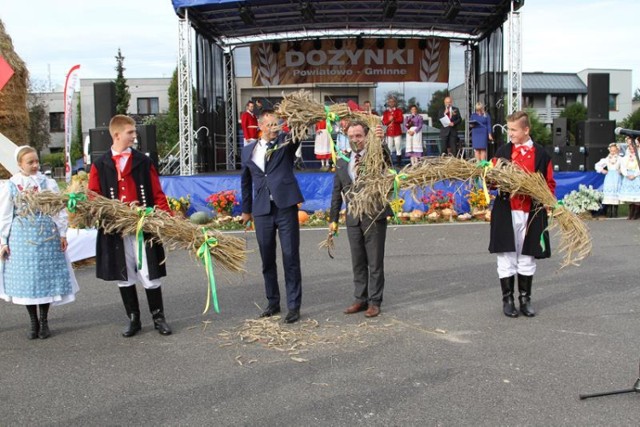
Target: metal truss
(470, 90)
(514, 66)
(185, 98)
(231, 111)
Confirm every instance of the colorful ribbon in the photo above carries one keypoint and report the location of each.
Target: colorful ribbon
(142, 213)
(485, 165)
(204, 253)
(333, 118)
(396, 189)
(543, 244)
(74, 198)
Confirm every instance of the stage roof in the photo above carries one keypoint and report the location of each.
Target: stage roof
(237, 23)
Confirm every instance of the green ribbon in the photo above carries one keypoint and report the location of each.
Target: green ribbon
(142, 213)
(485, 165)
(543, 244)
(204, 253)
(396, 188)
(329, 120)
(74, 198)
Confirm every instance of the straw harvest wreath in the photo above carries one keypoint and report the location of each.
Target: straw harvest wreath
(378, 184)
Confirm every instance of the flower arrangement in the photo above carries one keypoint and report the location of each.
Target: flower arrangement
(396, 205)
(584, 199)
(179, 204)
(438, 200)
(477, 200)
(222, 202)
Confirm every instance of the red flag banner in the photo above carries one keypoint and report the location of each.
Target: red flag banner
(323, 63)
(5, 72)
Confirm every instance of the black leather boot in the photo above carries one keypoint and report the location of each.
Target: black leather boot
(130, 299)
(524, 287)
(154, 296)
(44, 322)
(508, 305)
(35, 325)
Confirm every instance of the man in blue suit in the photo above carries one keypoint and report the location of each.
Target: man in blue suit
(270, 196)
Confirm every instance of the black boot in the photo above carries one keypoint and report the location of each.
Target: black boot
(524, 286)
(154, 296)
(35, 325)
(44, 322)
(508, 306)
(130, 300)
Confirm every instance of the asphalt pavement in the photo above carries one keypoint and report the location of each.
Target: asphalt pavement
(441, 354)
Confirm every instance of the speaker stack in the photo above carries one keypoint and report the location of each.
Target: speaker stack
(147, 142)
(104, 103)
(597, 132)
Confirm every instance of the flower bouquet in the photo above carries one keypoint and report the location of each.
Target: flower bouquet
(478, 203)
(222, 202)
(584, 199)
(179, 205)
(440, 203)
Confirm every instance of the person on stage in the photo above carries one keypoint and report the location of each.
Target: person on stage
(630, 186)
(518, 232)
(367, 235)
(393, 118)
(610, 167)
(413, 147)
(321, 146)
(129, 176)
(36, 271)
(480, 123)
(249, 123)
(270, 197)
(449, 133)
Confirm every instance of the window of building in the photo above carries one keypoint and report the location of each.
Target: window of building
(148, 106)
(613, 102)
(559, 101)
(56, 122)
(527, 101)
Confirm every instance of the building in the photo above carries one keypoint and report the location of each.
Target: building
(548, 94)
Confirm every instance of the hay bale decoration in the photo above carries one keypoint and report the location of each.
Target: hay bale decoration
(115, 217)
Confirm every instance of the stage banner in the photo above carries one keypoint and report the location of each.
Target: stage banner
(349, 64)
(69, 90)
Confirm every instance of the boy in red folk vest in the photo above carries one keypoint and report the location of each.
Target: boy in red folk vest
(519, 223)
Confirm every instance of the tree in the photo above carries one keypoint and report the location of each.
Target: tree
(436, 104)
(122, 88)
(39, 122)
(636, 95)
(574, 113)
(538, 131)
(399, 96)
(167, 126)
(632, 121)
(76, 139)
(414, 101)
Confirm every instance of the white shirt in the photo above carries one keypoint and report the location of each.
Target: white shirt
(259, 154)
(352, 163)
(122, 161)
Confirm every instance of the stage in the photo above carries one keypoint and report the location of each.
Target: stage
(316, 188)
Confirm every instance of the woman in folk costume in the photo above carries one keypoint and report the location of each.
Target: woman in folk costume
(519, 224)
(610, 167)
(36, 271)
(630, 187)
(413, 147)
(321, 148)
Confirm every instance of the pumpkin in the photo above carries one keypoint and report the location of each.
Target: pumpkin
(303, 217)
(200, 218)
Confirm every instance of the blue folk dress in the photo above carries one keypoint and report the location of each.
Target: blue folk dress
(36, 271)
(630, 188)
(612, 179)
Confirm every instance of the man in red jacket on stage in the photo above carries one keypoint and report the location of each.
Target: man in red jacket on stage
(249, 123)
(392, 119)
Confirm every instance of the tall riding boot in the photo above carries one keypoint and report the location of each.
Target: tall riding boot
(632, 211)
(154, 296)
(508, 306)
(524, 286)
(35, 325)
(130, 300)
(44, 322)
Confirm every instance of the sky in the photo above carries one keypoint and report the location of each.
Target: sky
(52, 36)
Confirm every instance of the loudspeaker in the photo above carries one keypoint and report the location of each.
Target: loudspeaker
(568, 159)
(104, 101)
(594, 154)
(560, 133)
(598, 96)
(147, 142)
(100, 142)
(595, 133)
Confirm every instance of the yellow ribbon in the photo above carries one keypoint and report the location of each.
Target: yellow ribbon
(485, 165)
(204, 253)
(396, 188)
(74, 198)
(329, 119)
(142, 213)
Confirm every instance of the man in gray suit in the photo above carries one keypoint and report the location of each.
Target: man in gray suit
(449, 134)
(367, 235)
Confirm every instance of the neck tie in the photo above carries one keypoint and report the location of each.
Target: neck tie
(356, 164)
(117, 159)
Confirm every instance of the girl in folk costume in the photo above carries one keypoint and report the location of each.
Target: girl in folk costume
(36, 271)
(610, 166)
(321, 148)
(519, 223)
(630, 187)
(413, 146)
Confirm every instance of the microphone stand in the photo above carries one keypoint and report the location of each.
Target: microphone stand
(635, 388)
